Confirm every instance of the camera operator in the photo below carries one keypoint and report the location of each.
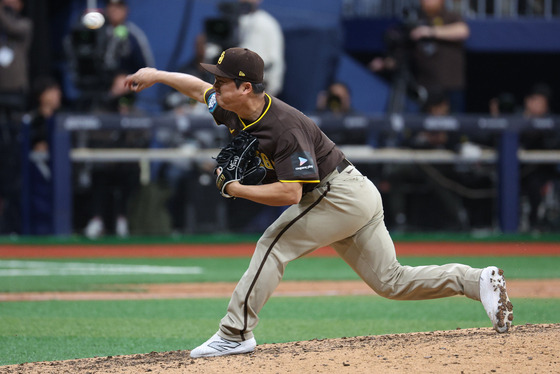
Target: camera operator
(432, 43)
(128, 48)
(336, 99)
(97, 56)
(244, 24)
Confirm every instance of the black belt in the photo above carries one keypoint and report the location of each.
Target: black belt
(343, 165)
(339, 168)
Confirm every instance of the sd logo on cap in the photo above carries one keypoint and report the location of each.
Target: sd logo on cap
(238, 63)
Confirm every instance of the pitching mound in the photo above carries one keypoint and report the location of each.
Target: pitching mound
(526, 349)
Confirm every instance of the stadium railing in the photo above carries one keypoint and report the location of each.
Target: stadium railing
(507, 154)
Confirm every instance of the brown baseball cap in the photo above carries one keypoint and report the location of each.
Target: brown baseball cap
(238, 63)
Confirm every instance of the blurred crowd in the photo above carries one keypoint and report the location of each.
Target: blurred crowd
(425, 68)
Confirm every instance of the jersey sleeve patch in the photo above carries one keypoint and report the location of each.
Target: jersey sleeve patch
(212, 102)
(303, 164)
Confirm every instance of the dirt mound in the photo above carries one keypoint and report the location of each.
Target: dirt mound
(526, 349)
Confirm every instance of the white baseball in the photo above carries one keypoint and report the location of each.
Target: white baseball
(93, 20)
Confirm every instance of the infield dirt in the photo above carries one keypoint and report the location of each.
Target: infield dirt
(525, 349)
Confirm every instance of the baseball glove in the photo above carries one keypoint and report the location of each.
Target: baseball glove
(238, 161)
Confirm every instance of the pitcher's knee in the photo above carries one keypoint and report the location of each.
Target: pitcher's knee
(389, 291)
(388, 286)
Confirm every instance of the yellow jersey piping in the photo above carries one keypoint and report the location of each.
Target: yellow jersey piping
(298, 181)
(262, 115)
(204, 96)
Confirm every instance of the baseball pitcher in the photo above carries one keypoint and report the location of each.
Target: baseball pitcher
(278, 157)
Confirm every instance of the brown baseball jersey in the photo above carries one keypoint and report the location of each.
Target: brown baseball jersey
(291, 146)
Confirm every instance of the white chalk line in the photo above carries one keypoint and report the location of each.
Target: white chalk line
(15, 268)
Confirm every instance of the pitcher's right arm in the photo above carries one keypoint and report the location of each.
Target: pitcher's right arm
(188, 85)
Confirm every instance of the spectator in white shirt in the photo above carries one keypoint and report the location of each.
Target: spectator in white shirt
(258, 31)
(261, 33)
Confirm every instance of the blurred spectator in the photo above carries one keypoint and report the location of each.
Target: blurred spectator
(539, 182)
(258, 31)
(537, 104)
(193, 66)
(187, 179)
(412, 189)
(112, 184)
(96, 56)
(46, 101)
(184, 176)
(437, 104)
(336, 99)
(535, 7)
(502, 104)
(15, 39)
(261, 33)
(176, 101)
(128, 48)
(537, 101)
(432, 44)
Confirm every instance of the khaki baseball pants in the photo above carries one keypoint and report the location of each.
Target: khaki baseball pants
(345, 212)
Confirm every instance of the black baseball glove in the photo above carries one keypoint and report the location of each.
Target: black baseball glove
(238, 161)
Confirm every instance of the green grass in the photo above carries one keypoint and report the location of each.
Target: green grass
(231, 269)
(57, 330)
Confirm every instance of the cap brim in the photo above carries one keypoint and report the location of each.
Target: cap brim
(213, 69)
